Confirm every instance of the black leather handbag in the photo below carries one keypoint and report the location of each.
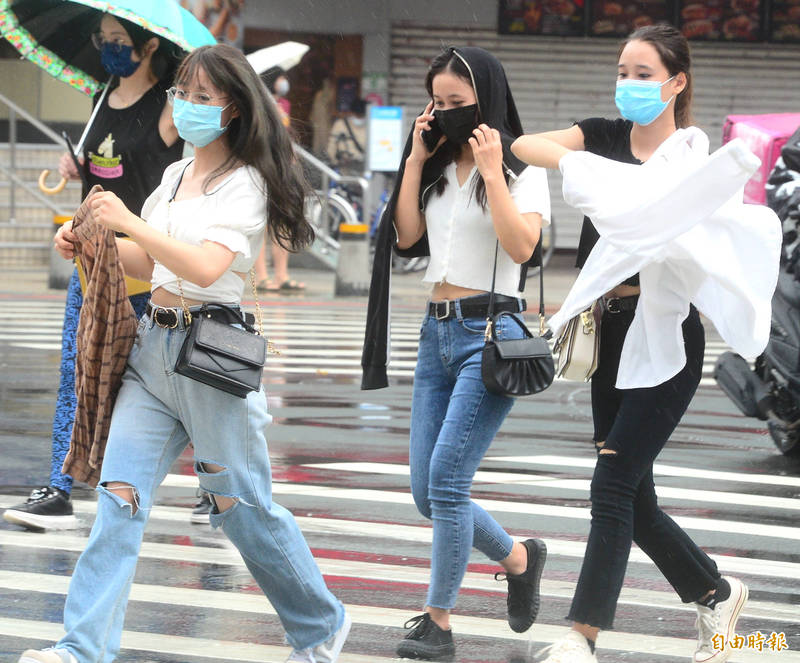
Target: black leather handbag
(222, 355)
(516, 367)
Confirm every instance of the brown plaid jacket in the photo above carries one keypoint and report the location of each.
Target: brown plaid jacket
(106, 332)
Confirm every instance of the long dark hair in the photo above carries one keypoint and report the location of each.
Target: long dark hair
(257, 138)
(673, 49)
(448, 61)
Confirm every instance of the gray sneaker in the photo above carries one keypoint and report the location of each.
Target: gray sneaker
(201, 510)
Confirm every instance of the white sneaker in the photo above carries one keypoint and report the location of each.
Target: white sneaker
(721, 620)
(301, 656)
(326, 652)
(49, 655)
(572, 648)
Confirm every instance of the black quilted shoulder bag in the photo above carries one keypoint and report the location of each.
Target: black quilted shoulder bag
(516, 367)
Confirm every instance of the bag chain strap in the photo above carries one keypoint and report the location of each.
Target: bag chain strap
(187, 315)
(487, 334)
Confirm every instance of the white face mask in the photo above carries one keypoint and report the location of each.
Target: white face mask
(282, 87)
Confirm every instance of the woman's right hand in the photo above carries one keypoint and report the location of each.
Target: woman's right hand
(66, 167)
(64, 241)
(419, 152)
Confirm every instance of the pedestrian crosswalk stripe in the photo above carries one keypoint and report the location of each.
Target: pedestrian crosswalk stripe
(532, 509)
(658, 469)
(727, 563)
(501, 506)
(227, 555)
(384, 617)
(582, 485)
(174, 645)
(289, 327)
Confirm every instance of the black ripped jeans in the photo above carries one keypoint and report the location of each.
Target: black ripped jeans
(636, 424)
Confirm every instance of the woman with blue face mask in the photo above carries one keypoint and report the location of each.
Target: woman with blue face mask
(131, 141)
(632, 425)
(196, 241)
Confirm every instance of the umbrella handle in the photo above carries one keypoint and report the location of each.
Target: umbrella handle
(50, 191)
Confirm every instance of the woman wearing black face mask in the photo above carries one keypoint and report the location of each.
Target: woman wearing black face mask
(130, 143)
(461, 195)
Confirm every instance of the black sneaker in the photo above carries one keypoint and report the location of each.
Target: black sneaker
(523, 590)
(46, 508)
(201, 510)
(426, 641)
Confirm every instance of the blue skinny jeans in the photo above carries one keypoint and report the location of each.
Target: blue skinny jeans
(453, 422)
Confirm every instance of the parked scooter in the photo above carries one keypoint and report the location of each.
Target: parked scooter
(771, 390)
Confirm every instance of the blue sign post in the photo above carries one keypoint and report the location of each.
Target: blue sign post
(385, 138)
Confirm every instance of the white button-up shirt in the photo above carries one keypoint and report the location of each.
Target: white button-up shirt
(679, 221)
(461, 234)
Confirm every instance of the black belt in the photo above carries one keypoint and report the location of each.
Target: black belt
(169, 318)
(620, 304)
(474, 307)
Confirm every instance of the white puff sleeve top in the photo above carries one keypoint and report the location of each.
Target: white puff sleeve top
(232, 213)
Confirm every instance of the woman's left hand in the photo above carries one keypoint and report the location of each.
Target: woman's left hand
(109, 211)
(487, 150)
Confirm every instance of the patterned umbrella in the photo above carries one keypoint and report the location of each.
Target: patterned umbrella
(56, 34)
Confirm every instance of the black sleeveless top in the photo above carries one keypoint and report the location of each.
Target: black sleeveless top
(610, 139)
(124, 151)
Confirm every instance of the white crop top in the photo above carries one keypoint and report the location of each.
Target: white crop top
(461, 235)
(233, 214)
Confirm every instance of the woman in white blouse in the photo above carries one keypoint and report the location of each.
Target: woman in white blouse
(464, 192)
(201, 231)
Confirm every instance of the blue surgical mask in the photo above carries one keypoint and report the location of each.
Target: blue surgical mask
(116, 59)
(640, 101)
(196, 123)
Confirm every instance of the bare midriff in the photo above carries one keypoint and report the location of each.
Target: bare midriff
(445, 290)
(163, 297)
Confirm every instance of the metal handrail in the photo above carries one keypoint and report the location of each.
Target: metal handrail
(329, 174)
(13, 111)
(41, 126)
(31, 190)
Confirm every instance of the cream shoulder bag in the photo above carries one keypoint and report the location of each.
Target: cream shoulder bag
(579, 344)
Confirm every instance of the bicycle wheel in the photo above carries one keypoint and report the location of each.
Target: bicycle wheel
(339, 211)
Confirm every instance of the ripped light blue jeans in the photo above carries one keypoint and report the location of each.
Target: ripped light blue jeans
(157, 412)
(453, 422)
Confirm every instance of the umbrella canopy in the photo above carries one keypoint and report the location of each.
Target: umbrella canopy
(284, 56)
(56, 34)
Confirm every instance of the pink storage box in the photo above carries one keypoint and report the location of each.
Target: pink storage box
(765, 135)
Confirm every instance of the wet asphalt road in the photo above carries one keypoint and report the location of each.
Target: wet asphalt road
(339, 463)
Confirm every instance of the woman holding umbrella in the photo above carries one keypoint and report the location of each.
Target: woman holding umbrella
(130, 142)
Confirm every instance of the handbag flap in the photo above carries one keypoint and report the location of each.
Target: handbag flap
(230, 341)
(523, 348)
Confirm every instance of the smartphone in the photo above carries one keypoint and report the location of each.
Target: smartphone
(431, 138)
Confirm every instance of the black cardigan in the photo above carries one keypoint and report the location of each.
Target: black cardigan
(497, 109)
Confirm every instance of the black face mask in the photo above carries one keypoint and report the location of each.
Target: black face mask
(457, 123)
